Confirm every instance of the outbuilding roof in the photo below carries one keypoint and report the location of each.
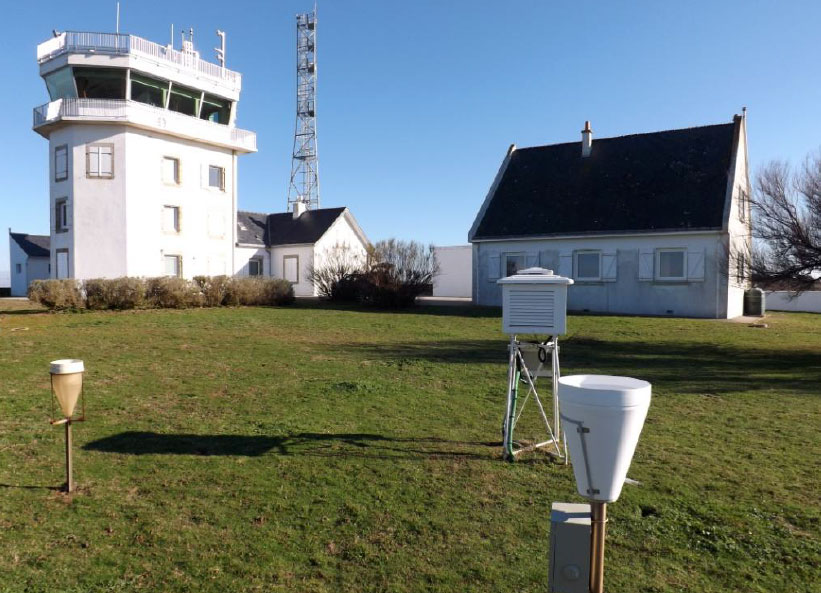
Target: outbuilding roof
(33, 245)
(283, 229)
(661, 181)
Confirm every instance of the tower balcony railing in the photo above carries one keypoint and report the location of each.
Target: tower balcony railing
(123, 44)
(147, 117)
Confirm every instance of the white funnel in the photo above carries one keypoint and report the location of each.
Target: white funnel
(603, 418)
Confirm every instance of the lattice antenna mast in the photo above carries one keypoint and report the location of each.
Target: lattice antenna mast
(304, 185)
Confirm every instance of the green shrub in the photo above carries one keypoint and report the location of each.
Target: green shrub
(170, 292)
(116, 293)
(57, 294)
(256, 290)
(214, 289)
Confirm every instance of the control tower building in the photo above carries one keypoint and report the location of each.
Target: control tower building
(143, 148)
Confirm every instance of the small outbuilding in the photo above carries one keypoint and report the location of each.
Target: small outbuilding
(29, 259)
(287, 244)
(647, 224)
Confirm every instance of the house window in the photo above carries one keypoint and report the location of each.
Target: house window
(61, 215)
(61, 163)
(513, 263)
(670, 264)
(255, 266)
(588, 265)
(18, 268)
(741, 269)
(62, 263)
(171, 170)
(171, 219)
(173, 265)
(743, 200)
(100, 161)
(216, 177)
(290, 267)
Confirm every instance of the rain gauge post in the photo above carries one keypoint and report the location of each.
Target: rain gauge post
(67, 390)
(603, 416)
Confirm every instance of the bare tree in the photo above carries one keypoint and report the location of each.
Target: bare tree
(786, 208)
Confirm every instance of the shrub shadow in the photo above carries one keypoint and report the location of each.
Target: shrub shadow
(681, 367)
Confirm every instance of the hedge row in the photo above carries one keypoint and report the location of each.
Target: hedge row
(160, 293)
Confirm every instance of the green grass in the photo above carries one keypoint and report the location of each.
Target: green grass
(321, 449)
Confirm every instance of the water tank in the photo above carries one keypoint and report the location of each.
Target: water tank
(754, 302)
(534, 301)
(603, 416)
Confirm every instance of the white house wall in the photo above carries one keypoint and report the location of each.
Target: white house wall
(739, 227)
(341, 235)
(624, 293)
(242, 255)
(305, 253)
(455, 275)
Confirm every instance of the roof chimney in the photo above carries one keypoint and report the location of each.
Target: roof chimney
(587, 140)
(299, 208)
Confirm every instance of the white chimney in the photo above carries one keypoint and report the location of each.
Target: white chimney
(299, 208)
(587, 140)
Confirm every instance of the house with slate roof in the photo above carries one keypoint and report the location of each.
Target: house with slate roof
(29, 258)
(287, 244)
(646, 224)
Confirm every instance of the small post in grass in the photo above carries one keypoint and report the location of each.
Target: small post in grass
(67, 389)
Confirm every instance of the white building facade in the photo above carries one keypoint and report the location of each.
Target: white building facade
(649, 224)
(29, 259)
(143, 152)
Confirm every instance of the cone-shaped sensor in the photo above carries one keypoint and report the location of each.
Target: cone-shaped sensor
(67, 382)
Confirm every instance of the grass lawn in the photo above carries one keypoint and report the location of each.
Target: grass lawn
(321, 449)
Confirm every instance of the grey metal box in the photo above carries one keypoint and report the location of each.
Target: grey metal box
(569, 570)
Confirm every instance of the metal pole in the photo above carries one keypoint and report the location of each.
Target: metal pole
(598, 519)
(69, 462)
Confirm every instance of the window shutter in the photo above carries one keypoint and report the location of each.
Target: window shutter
(494, 266)
(69, 221)
(566, 264)
(646, 257)
(93, 161)
(532, 259)
(608, 266)
(106, 161)
(695, 264)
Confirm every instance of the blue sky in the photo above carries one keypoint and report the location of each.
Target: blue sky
(419, 100)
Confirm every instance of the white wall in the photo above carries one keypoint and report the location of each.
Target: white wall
(305, 253)
(31, 268)
(624, 292)
(242, 255)
(19, 283)
(455, 277)
(115, 225)
(206, 237)
(809, 301)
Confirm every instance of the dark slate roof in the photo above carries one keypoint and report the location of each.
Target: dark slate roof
(671, 180)
(283, 229)
(251, 228)
(33, 245)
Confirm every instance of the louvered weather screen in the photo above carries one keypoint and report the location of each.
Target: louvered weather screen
(534, 301)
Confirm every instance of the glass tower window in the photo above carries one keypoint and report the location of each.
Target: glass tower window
(60, 84)
(100, 83)
(148, 90)
(184, 100)
(215, 109)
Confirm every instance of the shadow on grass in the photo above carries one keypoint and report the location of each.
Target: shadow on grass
(435, 310)
(306, 443)
(679, 366)
(30, 487)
